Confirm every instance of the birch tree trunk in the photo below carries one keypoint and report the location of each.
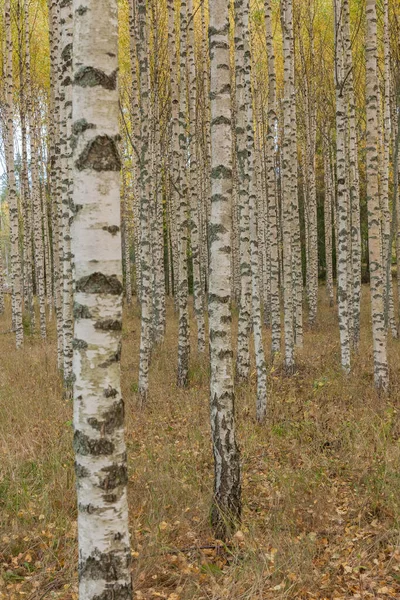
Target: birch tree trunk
(243, 352)
(66, 168)
(271, 188)
(288, 190)
(227, 489)
(144, 175)
(100, 452)
(381, 372)
(328, 218)
(193, 187)
(182, 209)
(11, 185)
(36, 203)
(261, 406)
(342, 200)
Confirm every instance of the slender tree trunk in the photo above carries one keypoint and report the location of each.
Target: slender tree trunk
(11, 184)
(288, 190)
(193, 188)
(145, 174)
(36, 203)
(342, 200)
(271, 187)
(183, 210)
(381, 373)
(261, 406)
(66, 189)
(243, 351)
(328, 218)
(227, 489)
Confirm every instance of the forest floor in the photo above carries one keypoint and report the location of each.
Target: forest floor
(321, 478)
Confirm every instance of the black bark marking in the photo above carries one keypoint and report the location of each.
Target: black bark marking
(90, 77)
(86, 446)
(221, 172)
(111, 419)
(113, 358)
(76, 208)
(90, 509)
(110, 392)
(115, 476)
(100, 154)
(79, 127)
(108, 325)
(81, 10)
(215, 230)
(79, 344)
(113, 229)
(66, 54)
(98, 283)
(120, 591)
(80, 311)
(107, 566)
(81, 471)
(111, 498)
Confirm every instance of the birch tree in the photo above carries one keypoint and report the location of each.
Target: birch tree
(381, 373)
(227, 490)
(100, 452)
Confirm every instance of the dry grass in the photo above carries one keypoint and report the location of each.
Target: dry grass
(321, 479)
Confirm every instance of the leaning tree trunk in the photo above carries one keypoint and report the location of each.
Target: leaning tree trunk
(381, 373)
(100, 452)
(227, 492)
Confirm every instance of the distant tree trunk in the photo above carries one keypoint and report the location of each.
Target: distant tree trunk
(11, 185)
(66, 189)
(195, 239)
(342, 198)
(145, 206)
(386, 246)
(271, 188)
(243, 351)
(34, 155)
(354, 183)
(261, 406)
(328, 217)
(381, 372)
(54, 171)
(125, 241)
(100, 451)
(26, 221)
(227, 489)
(183, 210)
(288, 189)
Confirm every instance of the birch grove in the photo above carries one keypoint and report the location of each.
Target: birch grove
(221, 170)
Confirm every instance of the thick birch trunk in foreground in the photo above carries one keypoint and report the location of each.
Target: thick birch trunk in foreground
(227, 492)
(101, 471)
(381, 374)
